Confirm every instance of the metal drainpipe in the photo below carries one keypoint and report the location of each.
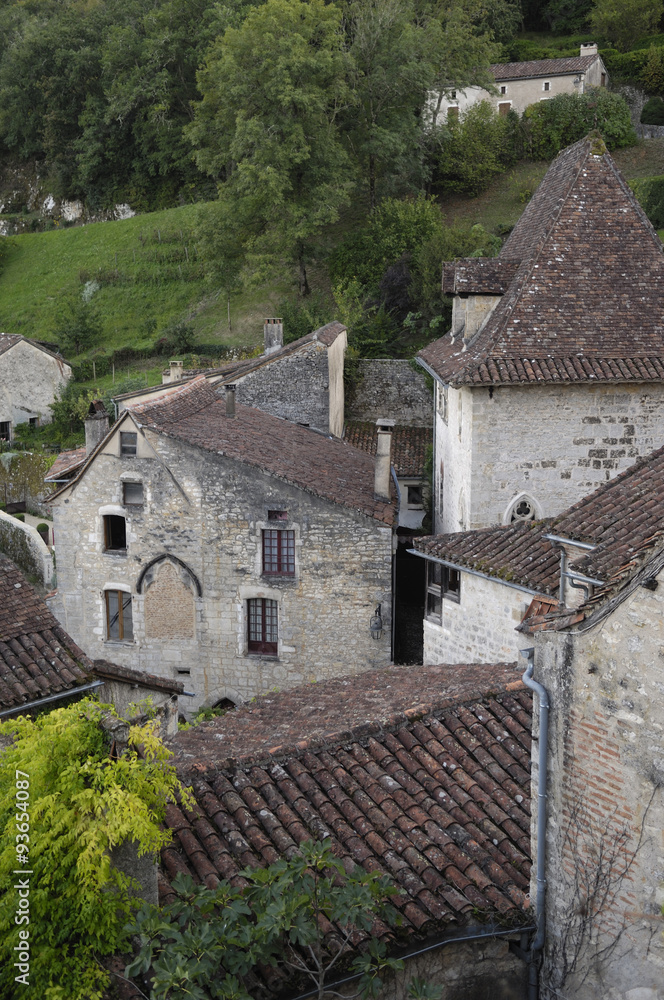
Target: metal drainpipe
(540, 906)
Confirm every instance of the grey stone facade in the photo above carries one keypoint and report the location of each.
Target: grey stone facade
(391, 389)
(30, 378)
(193, 560)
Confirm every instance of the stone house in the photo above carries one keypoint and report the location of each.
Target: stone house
(551, 380)
(520, 84)
(423, 777)
(42, 667)
(481, 585)
(302, 381)
(30, 377)
(216, 543)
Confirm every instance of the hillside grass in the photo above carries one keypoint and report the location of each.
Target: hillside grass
(150, 276)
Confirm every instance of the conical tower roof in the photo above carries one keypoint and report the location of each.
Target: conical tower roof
(582, 284)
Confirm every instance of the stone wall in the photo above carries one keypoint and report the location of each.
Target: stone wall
(29, 380)
(555, 443)
(480, 628)
(605, 866)
(24, 546)
(205, 514)
(391, 390)
(296, 387)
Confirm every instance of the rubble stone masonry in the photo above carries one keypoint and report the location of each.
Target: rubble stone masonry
(198, 535)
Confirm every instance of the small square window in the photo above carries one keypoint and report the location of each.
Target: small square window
(34, 421)
(132, 494)
(128, 443)
(119, 621)
(115, 533)
(547, 85)
(278, 552)
(503, 90)
(453, 95)
(262, 626)
(277, 515)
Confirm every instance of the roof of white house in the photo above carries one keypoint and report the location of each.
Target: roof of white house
(569, 66)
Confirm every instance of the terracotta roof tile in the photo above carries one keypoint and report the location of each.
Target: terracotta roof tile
(623, 519)
(409, 445)
(583, 247)
(66, 464)
(566, 66)
(391, 801)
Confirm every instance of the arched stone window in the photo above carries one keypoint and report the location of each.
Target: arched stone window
(169, 608)
(522, 508)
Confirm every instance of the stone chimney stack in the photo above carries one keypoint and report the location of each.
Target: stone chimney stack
(174, 373)
(97, 425)
(230, 400)
(589, 49)
(383, 458)
(273, 335)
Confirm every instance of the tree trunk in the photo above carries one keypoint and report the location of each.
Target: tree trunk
(372, 182)
(304, 284)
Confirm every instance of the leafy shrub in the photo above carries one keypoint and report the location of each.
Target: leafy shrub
(303, 315)
(479, 145)
(652, 75)
(653, 112)
(82, 804)
(552, 125)
(179, 338)
(650, 192)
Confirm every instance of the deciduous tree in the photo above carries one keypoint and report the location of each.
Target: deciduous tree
(624, 21)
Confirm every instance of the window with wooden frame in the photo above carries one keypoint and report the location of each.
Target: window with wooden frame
(278, 552)
(443, 582)
(115, 533)
(262, 626)
(119, 621)
(132, 494)
(128, 444)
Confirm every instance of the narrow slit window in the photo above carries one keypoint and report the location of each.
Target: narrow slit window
(263, 626)
(119, 620)
(115, 533)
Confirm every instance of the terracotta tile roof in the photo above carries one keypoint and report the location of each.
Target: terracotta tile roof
(422, 776)
(65, 465)
(587, 299)
(115, 672)
(322, 465)
(542, 67)
(409, 445)
(37, 657)
(624, 519)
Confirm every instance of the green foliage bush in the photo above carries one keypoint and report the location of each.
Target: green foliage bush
(653, 112)
(553, 125)
(479, 145)
(303, 315)
(650, 192)
(81, 805)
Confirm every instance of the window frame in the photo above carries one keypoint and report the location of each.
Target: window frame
(269, 616)
(124, 600)
(108, 534)
(7, 425)
(285, 552)
(128, 449)
(443, 583)
(132, 503)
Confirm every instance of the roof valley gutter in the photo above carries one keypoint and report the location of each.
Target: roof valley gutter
(540, 905)
(476, 572)
(429, 371)
(26, 706)
(440, 943)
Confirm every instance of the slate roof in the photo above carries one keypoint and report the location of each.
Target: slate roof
(409, 445)
(321, 465)
(624, 519)
(421, 775)
(543, 67)
(586, 303)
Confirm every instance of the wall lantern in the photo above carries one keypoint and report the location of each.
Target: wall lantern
(376, 624)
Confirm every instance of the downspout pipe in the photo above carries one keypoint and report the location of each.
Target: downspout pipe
(540, 905)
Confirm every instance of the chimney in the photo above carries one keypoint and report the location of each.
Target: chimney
(589, 49)
(97, 425)
(383, 458)
(273, 335)
(230, 400)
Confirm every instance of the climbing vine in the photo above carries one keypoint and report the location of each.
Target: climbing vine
(65, 803)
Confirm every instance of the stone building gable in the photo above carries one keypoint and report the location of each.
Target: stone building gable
(587, 300)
